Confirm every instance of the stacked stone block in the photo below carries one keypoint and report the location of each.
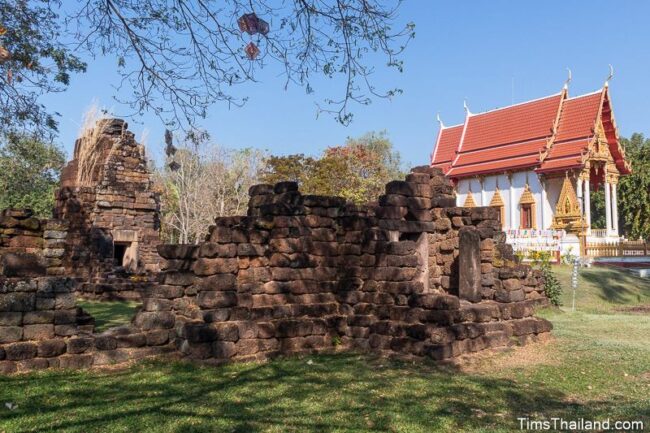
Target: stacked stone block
(310, 273)
(115, 203)
(304, 273)
(37, 318)
(30, 246)
(41, 327)
(20, 232)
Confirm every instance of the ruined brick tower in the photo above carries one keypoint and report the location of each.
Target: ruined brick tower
(107, 197)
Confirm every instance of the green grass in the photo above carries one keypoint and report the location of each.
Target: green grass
(596, 367)
(602, 289)
(108, 314)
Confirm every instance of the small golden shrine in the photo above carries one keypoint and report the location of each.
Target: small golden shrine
(567, 211)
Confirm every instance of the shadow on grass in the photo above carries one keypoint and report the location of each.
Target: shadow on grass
(334, 393)
(108, 314)
(617, 286)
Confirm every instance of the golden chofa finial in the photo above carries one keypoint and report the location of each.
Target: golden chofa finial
(439, 120)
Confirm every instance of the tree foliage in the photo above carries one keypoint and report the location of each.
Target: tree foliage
(40, 62)
(633, 192)
(356, 171)
(634, 189)
(29, 173)
(202, 181)
(176, 58)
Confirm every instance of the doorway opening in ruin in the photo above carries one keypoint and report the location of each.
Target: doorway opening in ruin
(125, 254)
(125, 249)
(119, 251)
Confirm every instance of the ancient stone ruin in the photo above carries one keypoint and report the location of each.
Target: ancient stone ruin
(107, 200)
(412, 276)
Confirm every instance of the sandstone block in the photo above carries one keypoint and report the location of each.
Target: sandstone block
(154, 320)
(38, 332)
(157, 337)
(17, 301)
(7, 367)
(132, 339)
(205, 266)
(217, 299)
(75, 362)
(79, 344)
(50, 348)
(11, 319)
(105, 342)
(213, 249)
(20, 351)
(10, 334)
(224, 349)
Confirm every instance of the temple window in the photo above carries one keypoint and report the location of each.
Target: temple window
(527, 210)
(526, 216)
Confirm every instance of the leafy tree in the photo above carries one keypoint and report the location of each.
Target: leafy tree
(598, 216)
(29, 173)
(202, 181)
(176, 58)
(295, 168)
(634, 189)
(367, 163)
(33, 61)
(356, 171)
(633, 192)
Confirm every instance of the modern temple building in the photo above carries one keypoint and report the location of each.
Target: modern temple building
(539, 161)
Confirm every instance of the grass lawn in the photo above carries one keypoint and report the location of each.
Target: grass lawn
(109, 314)
(596, 367)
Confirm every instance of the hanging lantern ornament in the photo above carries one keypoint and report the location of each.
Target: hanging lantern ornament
(4, 54)
(251, 24)
(248, 23)
(252, 51)
(174, 166)
(170, 149)
(262, 27)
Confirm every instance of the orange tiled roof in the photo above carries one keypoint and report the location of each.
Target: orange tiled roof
(516, 137)
(445, 151)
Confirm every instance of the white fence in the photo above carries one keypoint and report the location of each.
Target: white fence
(526, 241)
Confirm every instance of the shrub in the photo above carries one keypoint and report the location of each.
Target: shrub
(552, 287)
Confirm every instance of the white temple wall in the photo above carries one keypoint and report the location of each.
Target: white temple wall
(553, 189)
(483, 195)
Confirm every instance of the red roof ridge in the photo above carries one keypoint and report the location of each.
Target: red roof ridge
(518, 104)
(543, 153)
(468, 114)
(435, 149)
(450, 126)
(595, 92)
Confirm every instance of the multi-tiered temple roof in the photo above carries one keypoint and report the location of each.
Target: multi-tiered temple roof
(551, 134)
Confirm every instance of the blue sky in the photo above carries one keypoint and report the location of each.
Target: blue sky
(490, 53)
